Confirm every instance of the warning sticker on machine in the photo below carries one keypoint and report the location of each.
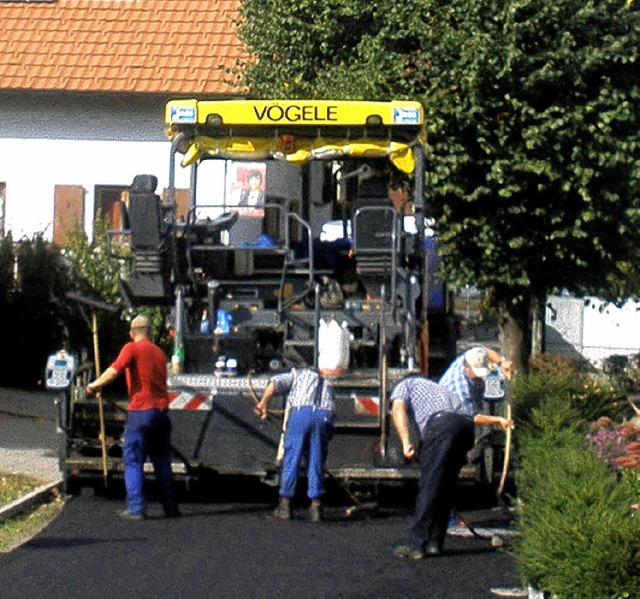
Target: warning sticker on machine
(366, 405)
(186, 400)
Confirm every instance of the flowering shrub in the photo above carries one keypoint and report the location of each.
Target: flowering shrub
(617, 444)
(577, 511)
(577, 534)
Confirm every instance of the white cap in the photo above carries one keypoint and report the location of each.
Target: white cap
(477, 359)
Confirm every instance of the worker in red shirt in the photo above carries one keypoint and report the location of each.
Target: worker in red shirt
(148, 428)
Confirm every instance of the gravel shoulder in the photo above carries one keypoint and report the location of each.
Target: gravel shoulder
(28, 443)
(35, 463)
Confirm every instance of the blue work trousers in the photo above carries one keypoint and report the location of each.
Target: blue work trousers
(446, 440)
(148, 433)
(311, 430)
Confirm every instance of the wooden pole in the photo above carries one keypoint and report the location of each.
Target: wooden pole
(103, 436)
(383, 402)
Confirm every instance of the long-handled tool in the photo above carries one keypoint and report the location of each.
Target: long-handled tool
(103, 435)
(384, 402)
(507, 445)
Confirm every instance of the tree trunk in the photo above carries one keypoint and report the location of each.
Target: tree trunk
(514, 322)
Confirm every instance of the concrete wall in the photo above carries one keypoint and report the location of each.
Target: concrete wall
(592, 328)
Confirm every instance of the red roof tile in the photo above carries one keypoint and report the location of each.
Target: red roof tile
(151, 46)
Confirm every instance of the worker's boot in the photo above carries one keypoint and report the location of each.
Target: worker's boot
(315, 512)
(283, 511)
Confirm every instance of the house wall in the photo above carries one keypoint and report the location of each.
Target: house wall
(592, 328)
(75, 139)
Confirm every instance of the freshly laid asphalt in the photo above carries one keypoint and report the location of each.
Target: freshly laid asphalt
(237, 550)
(229, 546)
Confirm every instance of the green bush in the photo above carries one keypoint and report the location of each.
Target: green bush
(33, 316)
(579, 537)
(589, 395)
(38, 318)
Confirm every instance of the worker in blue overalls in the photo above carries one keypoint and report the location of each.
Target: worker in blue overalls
(311, 408)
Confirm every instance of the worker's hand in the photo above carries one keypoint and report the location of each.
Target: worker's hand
(507, 369)
(92, 388)
(261, 411)
(505, 424)
(409, 450)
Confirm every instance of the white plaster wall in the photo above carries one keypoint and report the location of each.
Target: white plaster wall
(31, 168)
(49, 139)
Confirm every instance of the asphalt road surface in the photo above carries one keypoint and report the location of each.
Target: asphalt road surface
(226, 545)
(234, 549)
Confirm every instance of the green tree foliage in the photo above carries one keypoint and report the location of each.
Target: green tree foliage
(334, 49)
(7, 281)
(7, 260)
(96, 266)
(7, 292)
(533, 110)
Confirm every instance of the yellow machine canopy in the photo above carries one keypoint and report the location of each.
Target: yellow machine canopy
(296, 130)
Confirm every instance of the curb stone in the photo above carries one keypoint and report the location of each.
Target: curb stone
(21, 504)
